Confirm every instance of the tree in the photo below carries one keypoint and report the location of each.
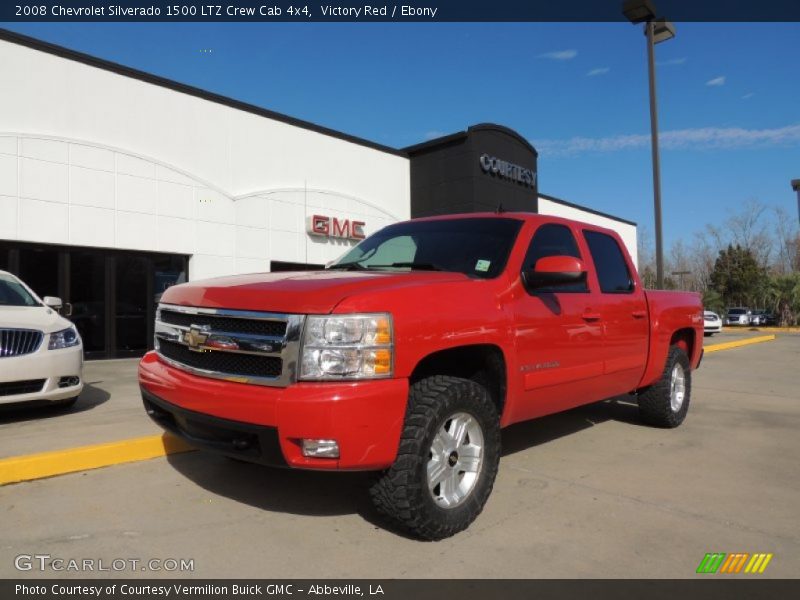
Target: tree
(713, 301)
(737, 276)
(784, 293)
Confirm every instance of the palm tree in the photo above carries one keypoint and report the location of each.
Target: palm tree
(784, 295)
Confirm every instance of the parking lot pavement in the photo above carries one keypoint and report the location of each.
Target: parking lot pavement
(109, 409)
(588, 493)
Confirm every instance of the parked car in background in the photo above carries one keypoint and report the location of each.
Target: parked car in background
(738, 316)
(712, 323)
(763, 317)
(770, 319)
(41, 353)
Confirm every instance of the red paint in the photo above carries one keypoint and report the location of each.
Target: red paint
(561, 350)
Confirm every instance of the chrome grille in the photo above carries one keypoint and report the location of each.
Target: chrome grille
(16, 342)
(243, 346)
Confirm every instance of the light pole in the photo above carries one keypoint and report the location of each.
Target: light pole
(657, 30)
(796, 188)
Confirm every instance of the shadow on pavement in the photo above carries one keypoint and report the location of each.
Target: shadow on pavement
(91, 397)
(313, 493)
(521, 436)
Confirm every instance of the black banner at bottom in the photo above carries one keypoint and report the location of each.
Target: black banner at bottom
(392, 589)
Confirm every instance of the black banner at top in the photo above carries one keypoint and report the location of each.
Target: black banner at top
(382, 11)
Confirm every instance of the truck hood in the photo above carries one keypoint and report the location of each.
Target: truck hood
(40, 318)
(311, 292)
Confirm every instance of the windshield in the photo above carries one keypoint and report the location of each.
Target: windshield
(13, 293)
(476, 247)
(737, 311)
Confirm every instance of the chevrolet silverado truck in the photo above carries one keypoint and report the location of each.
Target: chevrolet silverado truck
(408, 355)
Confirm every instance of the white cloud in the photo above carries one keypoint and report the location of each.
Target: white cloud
(748, 95)
(560, 54)
(433, 134)
(672, 61)
(598, 71)
(693, 139)
(717, 81)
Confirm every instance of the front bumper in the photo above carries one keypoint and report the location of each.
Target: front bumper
(49, 365)
(267, 424)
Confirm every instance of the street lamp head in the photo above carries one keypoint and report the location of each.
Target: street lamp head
(638, 11)
(796, 185)
(663, 30)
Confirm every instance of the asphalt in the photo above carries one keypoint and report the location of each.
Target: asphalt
(587, 493)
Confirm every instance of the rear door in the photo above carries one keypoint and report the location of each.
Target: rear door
(558, 335)
(623, 308)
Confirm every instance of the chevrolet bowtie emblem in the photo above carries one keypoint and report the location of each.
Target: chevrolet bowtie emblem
(195, 337)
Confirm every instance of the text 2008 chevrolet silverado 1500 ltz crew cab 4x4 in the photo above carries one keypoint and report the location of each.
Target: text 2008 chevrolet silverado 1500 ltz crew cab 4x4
(410, 353)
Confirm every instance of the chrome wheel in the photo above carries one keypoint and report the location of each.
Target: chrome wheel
(677, 388)
(455, 460)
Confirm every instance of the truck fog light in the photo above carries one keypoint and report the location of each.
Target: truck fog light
(320, 448)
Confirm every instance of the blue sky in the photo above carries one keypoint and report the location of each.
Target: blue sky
(729, 96)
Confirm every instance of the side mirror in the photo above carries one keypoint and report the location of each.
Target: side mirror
(53, 302)
(553, 271)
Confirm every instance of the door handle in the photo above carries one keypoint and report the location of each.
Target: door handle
(590, 316)
(639, 314)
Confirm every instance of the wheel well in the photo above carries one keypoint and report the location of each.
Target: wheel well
(482, 363)
(684, 338)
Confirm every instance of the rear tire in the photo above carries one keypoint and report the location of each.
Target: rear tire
(447, 460)
(666, 402)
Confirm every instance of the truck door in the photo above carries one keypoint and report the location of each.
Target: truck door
(558, 335)
(623, 309)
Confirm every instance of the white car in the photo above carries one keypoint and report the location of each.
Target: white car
(712, 322)
(738, 316)
(41, 353)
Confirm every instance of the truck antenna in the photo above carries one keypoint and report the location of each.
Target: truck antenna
(500, 209)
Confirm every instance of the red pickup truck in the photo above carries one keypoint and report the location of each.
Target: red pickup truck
(409, 354)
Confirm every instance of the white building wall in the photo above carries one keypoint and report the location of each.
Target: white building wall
(626, 231)
(92, 158)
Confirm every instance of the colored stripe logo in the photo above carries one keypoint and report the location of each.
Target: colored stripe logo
(737, 562)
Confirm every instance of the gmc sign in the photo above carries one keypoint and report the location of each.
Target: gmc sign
(324, 226)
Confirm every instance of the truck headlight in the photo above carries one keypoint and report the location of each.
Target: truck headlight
(347, 347)
(64, 339)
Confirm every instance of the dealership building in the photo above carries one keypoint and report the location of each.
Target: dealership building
(116, 184)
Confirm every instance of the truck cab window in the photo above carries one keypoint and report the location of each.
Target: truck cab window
(553, 240)
(612, 270)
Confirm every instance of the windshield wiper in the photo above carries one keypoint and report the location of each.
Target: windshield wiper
(352, 265)
(421, 266)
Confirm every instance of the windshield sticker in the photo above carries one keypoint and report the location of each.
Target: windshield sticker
(483, 265)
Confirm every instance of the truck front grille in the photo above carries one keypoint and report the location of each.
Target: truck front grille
(26, 386)
(16, 342)
(231, 325)
(244, 346)
(231, 363)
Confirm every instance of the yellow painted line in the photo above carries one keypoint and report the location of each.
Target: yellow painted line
(739, 343)
(70, 460)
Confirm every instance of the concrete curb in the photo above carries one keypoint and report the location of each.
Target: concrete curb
(70, 460)
(739, 343)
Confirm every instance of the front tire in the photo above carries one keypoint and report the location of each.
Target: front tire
(666, 402)
(447, 460)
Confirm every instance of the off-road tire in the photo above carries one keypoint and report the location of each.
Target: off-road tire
(654, 402)
(401, 493)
